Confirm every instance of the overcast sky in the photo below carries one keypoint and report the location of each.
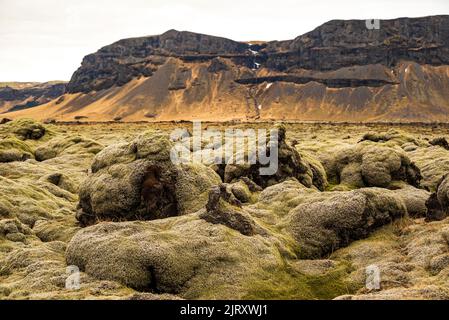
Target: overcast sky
(43, 40)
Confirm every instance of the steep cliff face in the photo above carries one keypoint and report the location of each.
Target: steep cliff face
(334, 45)
(339, 43)
(19, 96)
(340, 71)
(126, 59)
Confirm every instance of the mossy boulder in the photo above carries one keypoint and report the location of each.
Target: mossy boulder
(61, 180)
(322, 226)
(321, 222)
(195, 259)
(138, 180)
(392, 138)
(241, 191)
(14, 230)
(413, 198)
(182, 255)
(438, 202)
(433, 162)
(370, 165)
(319, 176)
(38, 271)
(290, 163)
(33, 200)
(411, 257)
(60, 229)
(280, 198)
(67, 145)
(13, 149)
(25, 129)
(224, 208)
(245, 190)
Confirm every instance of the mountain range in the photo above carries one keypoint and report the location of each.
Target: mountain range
(23, 95)
(341, 71)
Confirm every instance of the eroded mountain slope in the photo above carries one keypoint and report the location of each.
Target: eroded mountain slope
(341, 71)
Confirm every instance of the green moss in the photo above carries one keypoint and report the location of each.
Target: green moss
(13, 149)
(341, 187)
(332, 284)
(26, 129)
(13, 143)
(385, 237)
(67, 145)
(288, 284)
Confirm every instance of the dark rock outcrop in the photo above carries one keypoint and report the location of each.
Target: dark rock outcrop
(441, 141)
(289, 164)
(223, 208)
(343, 43)
(330, 83)
(5, 120)
(438, 202)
